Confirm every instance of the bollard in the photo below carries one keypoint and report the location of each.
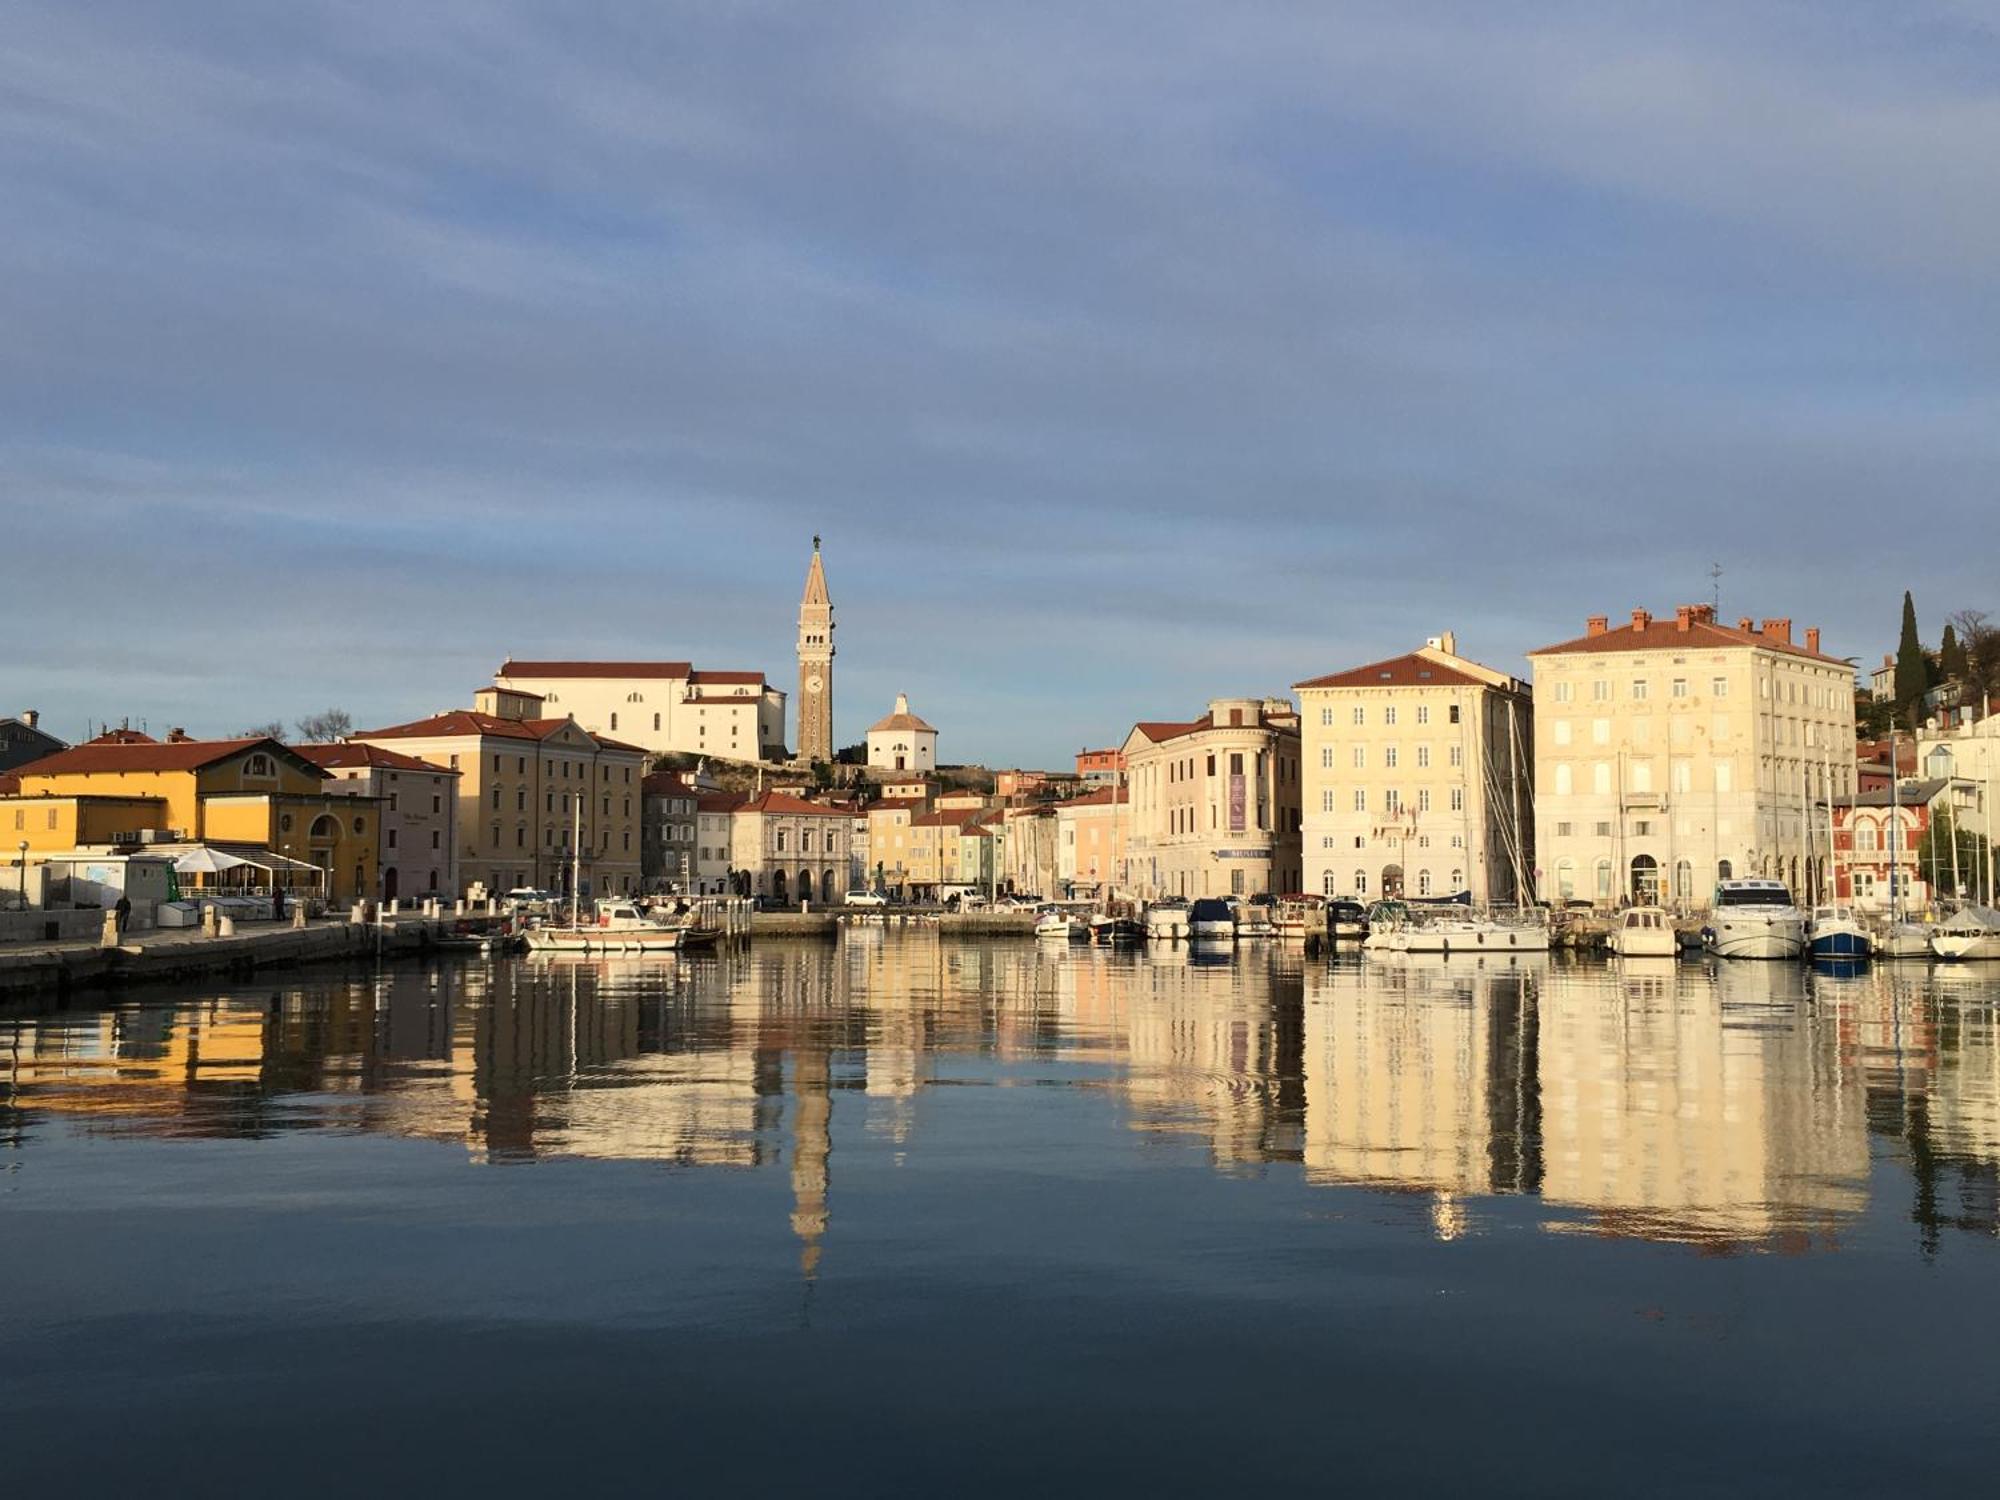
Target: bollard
(458, 908)
(208, 919)
(109, 937)
(298, 916)
(225, 926)
(359, 914)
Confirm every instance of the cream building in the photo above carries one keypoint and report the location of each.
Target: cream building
(790, 850)
(524, 785)
(1971, 752)
(662, 706)
(714, 831)
(1415, 779)
(1670, 753)
(1215, 802)
(901, 741)
(419, 806)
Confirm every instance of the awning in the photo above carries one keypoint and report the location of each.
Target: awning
(205, 861)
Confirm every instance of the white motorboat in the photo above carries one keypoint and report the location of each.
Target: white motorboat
(1754, 919)
(1835, 932)
(1255, 920)
(1167, 920)
(1209, 920)
(1971, 933)
(620, 927)
(1299, 917)
(1346, 921)
(1054, 922)
(1644, 932)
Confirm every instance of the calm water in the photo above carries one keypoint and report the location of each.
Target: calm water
(905, 1215)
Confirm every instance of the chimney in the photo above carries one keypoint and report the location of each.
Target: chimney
(1596, 625)
(177, 736)
(1704, 614)
(1684, 618)
(1640, 619)
(1812, 639)
(1747, 625)
(1780, 628)
(31, 717)
(1447, 643)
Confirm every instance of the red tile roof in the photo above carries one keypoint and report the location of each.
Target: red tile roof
(122, 737)
(666, 783)
(152, 755)
(467, 722)
(1692, 627)
(594, 669)
(781, 802)
(755, 679)
(10, 784)
(1411, 670)
(1157, 730)
(343, 757)
(720, 802)
(1102, 797)
(899, 804)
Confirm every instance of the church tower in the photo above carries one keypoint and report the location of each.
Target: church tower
(816, 666)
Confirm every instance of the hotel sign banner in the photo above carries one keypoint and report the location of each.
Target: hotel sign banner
(1236, 799)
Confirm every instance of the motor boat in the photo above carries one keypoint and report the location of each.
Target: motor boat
(1166, 920)
(1754, 919)
(619, 927)
(1106, 929)
(1346, 921)
(1644, 932)
(1054, 922)
(1970, 933)
(1835, 932)
(1254, 919)
(1297, 918)
(1387, 927)
(1209, 920)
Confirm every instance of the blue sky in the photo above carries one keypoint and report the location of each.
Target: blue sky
(1124, 354)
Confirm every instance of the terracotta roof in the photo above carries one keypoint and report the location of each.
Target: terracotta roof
(756, 679)
(468, 721)
(332, 757)
(899, 804)
(1690, 628)
(1102, 797)
(605, 742)
(661, 783)
(594, 669)
(902, 721)
(1157, 730)
(1411, 670)
(10, 784)
(720, 802)
(741, 700)
(153, 755)
(781, 802)
(951, 817)
(122, 737)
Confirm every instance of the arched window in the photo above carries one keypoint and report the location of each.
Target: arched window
(1604, 880)
(1565, 879)
(635, 697)
(1458, 880)
(1326, 883)
(1864, 838)
(259, 765)
(1360, 882)
(1723, 869)
(1423, 882)
(325, 827)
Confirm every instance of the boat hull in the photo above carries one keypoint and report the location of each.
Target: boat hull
(1964, 947)
(1652, 943)
(1841, 943)
(1738, 936)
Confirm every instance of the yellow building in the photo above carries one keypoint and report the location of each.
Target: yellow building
(254, 794)
(524, 786)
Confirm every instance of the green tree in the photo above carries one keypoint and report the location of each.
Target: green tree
(1951, 656)
(1913, 668)
(1934, 857)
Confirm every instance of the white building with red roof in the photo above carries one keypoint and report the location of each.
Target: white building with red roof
(662, 706)
(1416, 779)
(1671, 752)
(419, 808)
(900, 741)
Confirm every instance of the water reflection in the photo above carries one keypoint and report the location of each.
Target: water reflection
(1746, 1106)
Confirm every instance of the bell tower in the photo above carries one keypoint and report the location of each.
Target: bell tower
(816, 665)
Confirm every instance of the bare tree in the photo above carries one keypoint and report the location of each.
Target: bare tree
(323, 729)
(274, 730)
(1979, 640)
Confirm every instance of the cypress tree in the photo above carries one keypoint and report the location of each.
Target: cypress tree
(1913, 668)
(1951, 656)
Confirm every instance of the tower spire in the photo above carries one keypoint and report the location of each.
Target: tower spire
(816, 663)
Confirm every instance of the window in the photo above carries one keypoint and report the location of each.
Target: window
(1565, 879)
(656, 723)
(1360, 715)
(1423, 757)
(1360, 882)
(1389, 714)
(1563, 830)
(1326, 757)
(1389, 757)
(1601, 830)
(1423, 799)
(1423, 882)
(1326, 718)
(1683, 776)
(1326, 800)
(1864, 838)
(1600, 690)
(496, 799)
(1326, 884)
(1725, 774)
(1458, 799)
(1600, 731)
(392, 838)
(1361, 799)
(1600, 778)
(1640, 689)
(1642, 775)
(1458, 880)
(1392, 801)
(1718, 687)
(1457, 755)
(1453, 713)
(1604, 880)
(1565, 780)
(1680, 689)
(1563, 692)
(1360, 757)
(614, 723)
(1423, 713)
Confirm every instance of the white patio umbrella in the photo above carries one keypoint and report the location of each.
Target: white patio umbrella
(206, 861)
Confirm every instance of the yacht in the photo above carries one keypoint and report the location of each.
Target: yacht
(1106, 929)
(1972, 932)
(1387, 927)
(1645, 932)
(1209, 920)
(1253, 920)
(1835, 932)
(1299, 917)
(1346, 921)
(619, 927)
(1755, 919)
(1054, 922)
(1903, 939)
(1167, 920)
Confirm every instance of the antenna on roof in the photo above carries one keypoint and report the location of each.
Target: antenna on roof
(1715, 587)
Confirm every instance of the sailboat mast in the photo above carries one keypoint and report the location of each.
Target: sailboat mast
(1895, 836)
(575, 859)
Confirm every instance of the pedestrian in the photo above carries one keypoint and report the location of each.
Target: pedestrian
(277, 903)
(122, 912)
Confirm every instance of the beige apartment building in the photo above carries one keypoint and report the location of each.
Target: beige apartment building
(1090, 839)
(790, 850)
(661, 706)
(1673, 752)
(1214, 802)
(1416, 779)
(524, 785)
(419, 810)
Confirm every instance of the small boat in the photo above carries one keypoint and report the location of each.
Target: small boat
(1297, 918)
(1346, 921)
(620, 927)
(1835, 932)
(1106, 930)
(1254, 920)
(1644, 932)
(1388, 926)
(1210, 921)
(1971, 933)
(1054, 922)
(1754, 919)
(1904, 939)
(1166, 920)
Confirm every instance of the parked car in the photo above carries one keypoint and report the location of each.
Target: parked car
(866, 898)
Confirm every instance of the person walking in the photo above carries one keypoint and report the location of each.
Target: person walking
(122, 911)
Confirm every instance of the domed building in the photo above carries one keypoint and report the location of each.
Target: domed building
(902, 741)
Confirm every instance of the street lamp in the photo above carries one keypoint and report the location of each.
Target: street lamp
(22, 860)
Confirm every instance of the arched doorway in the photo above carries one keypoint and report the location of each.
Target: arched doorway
(1392, 882)
(390, 885)
(826, 891)
(320, 841)
(1645, 885)
(778, 886)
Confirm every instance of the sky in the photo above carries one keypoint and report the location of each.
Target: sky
(1125, 355)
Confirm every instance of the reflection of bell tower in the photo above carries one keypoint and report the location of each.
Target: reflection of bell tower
(816, 666)
(812, 1145)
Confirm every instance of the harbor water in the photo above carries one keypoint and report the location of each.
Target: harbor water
(903, 1213)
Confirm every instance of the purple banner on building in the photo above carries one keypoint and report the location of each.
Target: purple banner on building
(1236, 804)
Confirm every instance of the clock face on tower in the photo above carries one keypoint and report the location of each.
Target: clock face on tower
(814, 683)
